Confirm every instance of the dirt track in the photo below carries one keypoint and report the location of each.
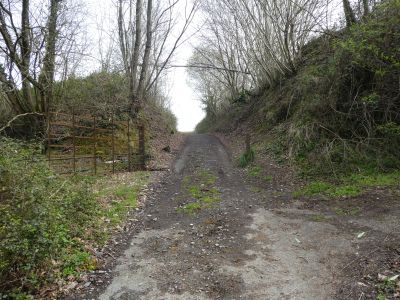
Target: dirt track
(240, 246)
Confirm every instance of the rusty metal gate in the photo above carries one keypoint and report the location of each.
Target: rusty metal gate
(89, 144)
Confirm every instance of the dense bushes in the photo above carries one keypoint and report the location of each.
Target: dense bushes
(43, 218)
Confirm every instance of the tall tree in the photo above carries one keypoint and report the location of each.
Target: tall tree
(46, 77)
(146, 52)
(18, 49)
(348, 13)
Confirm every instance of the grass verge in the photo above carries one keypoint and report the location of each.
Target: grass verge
(350, 186)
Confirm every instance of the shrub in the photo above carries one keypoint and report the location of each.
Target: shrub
(43, 216)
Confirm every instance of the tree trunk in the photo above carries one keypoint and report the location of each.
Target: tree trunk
(348, 13)
(46, 77)
(146, 57)
(366, 7)
(135, 58)
(26, 55)
(122, 34)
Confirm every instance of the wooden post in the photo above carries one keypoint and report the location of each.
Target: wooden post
(248, 146)
(113, 144)
(94, 146)
(48, 138)
(142, 149)
(129, 147)
(73, 142)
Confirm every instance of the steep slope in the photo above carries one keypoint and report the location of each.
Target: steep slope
(341, 110)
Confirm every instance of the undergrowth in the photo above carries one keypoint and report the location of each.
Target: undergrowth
(49, 223)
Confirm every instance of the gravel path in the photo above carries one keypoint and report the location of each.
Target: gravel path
(233, 245)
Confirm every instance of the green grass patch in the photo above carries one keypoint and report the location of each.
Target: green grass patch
(195, 191)
(200, 188)
(268, 178)
(313, 188)
(374, 180)
(255, 171)
(345, 191)
(126, 199)
(191, 208)
(350, 186)
(246, 158)
(77, 262)
(207, 178)
(120, 198)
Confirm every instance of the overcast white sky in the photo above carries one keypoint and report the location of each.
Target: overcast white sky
(184, 103)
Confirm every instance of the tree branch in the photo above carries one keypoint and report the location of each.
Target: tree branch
(17, 117)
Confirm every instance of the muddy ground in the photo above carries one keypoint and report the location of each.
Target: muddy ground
(247, 238)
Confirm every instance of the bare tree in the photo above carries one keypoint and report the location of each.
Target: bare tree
(33, 36)
(252, 43)
(147, 53)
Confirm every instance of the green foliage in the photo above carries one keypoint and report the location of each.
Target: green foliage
(258, 172)
(43, 217)
(345, 191)
(350, 186)
(47, 220)
(126, 199)
(104, 93)
(255, 171)
(246, 158)
(268, 178)
(101, 92)
(194, 191)
(371, 180)
(387, 288)
(313, 188)
(191, 208)
(78, 261)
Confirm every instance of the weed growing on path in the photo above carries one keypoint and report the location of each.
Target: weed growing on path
(257, 171)
(200, 188)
